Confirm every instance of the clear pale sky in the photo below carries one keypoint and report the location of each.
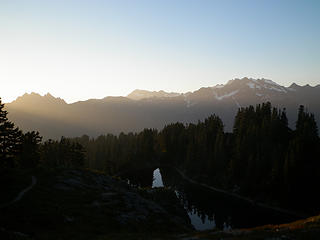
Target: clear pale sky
(78, 49)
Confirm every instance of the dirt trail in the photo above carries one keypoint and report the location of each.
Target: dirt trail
(23, 192)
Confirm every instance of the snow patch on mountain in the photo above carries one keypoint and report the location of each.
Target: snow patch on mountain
(226, 95)
(278, 89)
(143, 94)
(264, 83)
(219, 86)
(253, 85)
(270, 82)
(187, 100)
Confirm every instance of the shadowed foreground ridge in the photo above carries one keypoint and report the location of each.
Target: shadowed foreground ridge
(81, 204)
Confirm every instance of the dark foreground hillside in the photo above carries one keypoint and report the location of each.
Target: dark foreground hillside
(79, 204)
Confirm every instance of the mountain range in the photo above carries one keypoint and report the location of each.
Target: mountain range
(54, 118)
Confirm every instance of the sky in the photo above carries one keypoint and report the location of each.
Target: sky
(80, 49)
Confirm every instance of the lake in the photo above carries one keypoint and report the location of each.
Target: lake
(206, 208)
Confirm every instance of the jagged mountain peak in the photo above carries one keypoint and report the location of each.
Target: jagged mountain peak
(32, 94)
(294, 85)
(260, 84)
(48, 95)
(36, 98)
(253, 80)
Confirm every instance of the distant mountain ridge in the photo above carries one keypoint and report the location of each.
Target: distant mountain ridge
(53, 117)
(142, 94)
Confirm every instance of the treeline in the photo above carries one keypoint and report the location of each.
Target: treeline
(126, 152)
(262, 158)
(176, 145)
(269, 160)
(26, 150)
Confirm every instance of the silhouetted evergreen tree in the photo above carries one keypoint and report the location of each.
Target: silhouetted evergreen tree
(10, 140)
(261, 138)
(63, 153)
(30, 149)
(302, 166)
(173, 143)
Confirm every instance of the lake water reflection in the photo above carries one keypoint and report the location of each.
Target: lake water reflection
(208, 209)
(200, 223)
(157, 178)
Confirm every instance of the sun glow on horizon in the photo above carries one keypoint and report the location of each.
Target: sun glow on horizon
(82, 50)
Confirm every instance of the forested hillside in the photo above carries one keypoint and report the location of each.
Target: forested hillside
(262, 158)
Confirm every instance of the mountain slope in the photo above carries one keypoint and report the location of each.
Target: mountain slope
(145, 109)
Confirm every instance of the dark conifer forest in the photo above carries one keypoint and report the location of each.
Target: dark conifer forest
(262, 158)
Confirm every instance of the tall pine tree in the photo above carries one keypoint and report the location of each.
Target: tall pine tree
(10, 140)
